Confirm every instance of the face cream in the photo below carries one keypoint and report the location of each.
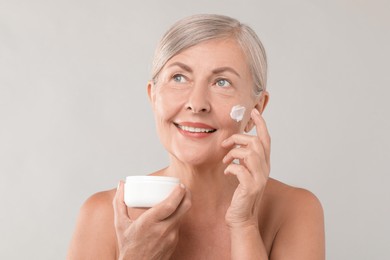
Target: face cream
(237, 113)
(147, 191)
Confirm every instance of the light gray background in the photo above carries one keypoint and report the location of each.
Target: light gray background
(75, 118)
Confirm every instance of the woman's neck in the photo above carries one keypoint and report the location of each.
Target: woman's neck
(210, 188)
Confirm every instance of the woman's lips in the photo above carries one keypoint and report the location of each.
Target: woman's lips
(195, 129)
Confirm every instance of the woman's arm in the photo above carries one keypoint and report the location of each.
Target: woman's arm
(242, 217)
(246, 243)
(94, 237)
(301, 235)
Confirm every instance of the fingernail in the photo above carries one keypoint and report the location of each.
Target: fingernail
(117, 187)
(182, 186)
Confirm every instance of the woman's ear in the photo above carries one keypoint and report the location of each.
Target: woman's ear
(249, 125)
(263, 101)
(260, 105)
(150, 89)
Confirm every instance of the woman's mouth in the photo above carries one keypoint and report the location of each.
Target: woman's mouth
(195, 129)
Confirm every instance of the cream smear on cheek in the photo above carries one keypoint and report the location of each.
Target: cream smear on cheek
(237, 113)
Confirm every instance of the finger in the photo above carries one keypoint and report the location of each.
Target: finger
(244, 153)
(121, 216)
(168, 206)
(261, 128)
(242, 174)
(253, 145)
(236, 153)
(262, 132)
(245, 156)
(254, 163)
(183, 208)
(244, 140)
(237, 139)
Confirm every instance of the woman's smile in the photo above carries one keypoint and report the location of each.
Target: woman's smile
(195, 129)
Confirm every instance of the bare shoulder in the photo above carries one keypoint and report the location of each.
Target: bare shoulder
(300, 233)
(99, 203)
(94, 235)
(293, 200)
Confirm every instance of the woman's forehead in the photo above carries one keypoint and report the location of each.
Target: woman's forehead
(216, 53)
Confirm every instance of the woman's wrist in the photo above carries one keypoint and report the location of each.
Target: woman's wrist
(243, 228)
(242, 225)
(246, 242)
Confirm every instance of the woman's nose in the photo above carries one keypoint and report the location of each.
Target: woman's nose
(198, 100)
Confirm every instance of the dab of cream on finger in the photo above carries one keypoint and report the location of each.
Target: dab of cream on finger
(237, 113)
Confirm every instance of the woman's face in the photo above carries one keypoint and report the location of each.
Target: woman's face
(193, 97)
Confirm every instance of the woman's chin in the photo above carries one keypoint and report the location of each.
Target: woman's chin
(197, 160)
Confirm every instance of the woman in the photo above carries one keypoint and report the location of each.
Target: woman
(204, 66)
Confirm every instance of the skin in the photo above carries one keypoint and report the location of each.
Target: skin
(221, 210)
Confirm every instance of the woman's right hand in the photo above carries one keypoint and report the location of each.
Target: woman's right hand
(154, 234)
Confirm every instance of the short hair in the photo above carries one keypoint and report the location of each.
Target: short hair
(195, 29)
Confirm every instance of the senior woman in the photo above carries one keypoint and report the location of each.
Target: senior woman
(204, 66)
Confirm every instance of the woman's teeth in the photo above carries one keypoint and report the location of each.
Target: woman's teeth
(195, 129)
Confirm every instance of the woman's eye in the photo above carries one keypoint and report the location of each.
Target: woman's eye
(223, 83)
(179, 78)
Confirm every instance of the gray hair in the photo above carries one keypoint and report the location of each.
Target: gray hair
(195, 29)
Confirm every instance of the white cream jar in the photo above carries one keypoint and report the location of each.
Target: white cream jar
(147, 191)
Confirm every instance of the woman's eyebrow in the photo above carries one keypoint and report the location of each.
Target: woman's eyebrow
(223, 69)
(181, 65)
(215, 71)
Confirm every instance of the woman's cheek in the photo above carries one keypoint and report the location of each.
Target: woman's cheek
(167, 103)
(228, 123)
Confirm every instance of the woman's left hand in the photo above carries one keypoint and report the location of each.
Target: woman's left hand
(253, 153)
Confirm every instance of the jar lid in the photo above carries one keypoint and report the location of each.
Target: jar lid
(142, 178)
